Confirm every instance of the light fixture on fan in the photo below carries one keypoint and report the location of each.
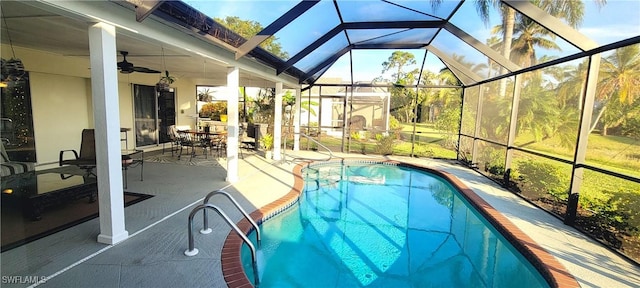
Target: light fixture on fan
(12, 69)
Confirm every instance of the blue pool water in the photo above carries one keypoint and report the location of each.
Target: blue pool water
(374, 225)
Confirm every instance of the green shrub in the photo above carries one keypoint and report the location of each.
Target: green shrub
(385, 144)
(355, 136)
(495, 169)
(495, 163)
(541, 178)
(615, 209)
(395, 126)
(367, 135)
(313, 129)
(267, 141)
(358, 141)
(421, 150)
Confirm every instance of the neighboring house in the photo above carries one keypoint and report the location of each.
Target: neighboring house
(368, 109)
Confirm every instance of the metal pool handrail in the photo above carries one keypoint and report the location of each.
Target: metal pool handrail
(205, 220)
(192, 251)
(305, 158)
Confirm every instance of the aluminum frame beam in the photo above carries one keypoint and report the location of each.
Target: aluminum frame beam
(313, 46)
(552, 23)
(325, 63)
(393, 24)
(274, 27)
(360, 25)
(144, 8)
(482, 48)
(453, 63)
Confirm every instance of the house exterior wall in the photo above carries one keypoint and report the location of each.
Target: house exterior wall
(61, 109)
(62, 103)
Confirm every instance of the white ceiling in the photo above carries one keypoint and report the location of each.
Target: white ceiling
(35, 28)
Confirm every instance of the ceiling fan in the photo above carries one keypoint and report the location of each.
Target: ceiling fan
(127, 67)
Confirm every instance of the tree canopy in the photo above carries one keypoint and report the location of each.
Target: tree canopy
(248, 29)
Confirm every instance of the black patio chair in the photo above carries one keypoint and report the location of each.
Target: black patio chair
(193, 140)
(86, 159)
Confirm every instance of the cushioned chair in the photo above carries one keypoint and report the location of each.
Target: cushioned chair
(13, 167)
(86, 159)
(174, 139)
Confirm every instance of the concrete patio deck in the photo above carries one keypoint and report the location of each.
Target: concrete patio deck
(153, 254)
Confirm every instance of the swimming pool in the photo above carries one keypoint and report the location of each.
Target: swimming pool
(379, 225)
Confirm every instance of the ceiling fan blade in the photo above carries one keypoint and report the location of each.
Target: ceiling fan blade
(127, 67)
(145, 70)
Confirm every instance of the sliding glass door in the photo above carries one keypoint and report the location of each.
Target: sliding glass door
(154, 112)
(166, 114)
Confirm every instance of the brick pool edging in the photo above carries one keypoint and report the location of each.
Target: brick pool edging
(553, 271)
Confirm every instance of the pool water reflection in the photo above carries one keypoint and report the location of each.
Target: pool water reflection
(379, 225)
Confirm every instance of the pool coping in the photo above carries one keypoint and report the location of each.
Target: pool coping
(548, 266)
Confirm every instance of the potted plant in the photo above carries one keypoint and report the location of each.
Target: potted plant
(267, 144)
(165, 81)
(220, 110)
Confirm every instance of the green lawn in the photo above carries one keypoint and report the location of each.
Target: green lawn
(619, 154)
(615, 153)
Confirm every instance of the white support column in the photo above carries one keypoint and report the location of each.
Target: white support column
(277, 123)
(296, 121)
(233, 88)
(106, 113)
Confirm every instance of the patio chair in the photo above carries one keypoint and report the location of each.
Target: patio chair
(193, 140)
(246, 136)
(174, 139)
(219, 145)
(10, 167)
(86, 159)
(243, 141)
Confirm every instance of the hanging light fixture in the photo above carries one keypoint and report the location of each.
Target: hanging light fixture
(12, 69)
(166, 80)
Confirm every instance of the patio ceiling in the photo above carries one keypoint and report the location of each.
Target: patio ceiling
(33, 25)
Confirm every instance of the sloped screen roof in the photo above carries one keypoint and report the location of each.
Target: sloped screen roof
(305, 38)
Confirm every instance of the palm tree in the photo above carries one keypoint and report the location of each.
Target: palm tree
(571, 84)
(477, 69)
(619, 77)
(537, 111)
(571, 11)
(494, 43)
(529, 35)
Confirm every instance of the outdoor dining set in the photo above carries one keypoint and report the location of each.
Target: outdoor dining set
(209, 142)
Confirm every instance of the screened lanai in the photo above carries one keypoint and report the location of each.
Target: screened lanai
(540, 96)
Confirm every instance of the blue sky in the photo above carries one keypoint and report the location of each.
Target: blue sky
(617, 20)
